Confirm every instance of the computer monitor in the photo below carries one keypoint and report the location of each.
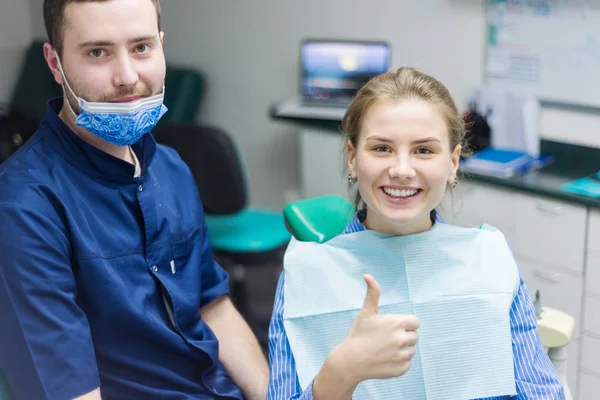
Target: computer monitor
(337, 69)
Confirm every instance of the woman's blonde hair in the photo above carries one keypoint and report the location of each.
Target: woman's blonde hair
(405, 83)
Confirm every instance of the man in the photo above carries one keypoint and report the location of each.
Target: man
(108, 288)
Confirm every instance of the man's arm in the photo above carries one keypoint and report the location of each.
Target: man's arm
(46, 351)
(239, 350)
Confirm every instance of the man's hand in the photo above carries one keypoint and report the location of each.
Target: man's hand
(239, 350)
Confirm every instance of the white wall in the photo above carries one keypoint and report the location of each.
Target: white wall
(15, 35)
(249, 51)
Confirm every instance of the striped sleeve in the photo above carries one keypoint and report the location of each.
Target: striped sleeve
(283, 382)
(536, 377)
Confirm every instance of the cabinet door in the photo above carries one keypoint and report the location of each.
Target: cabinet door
(590, 354)
(474, 204)
(591, 321)
(551, 231)
(589, 387)
(594, 231)
(558, 290)
(592, 273)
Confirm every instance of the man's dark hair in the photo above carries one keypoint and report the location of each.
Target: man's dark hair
(54, 19)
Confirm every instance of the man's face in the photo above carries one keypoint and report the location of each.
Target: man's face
(112, 51)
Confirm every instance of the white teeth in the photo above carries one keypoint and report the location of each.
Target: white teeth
(400, 193)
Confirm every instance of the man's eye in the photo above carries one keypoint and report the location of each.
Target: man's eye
(142, 48)
(96, 53)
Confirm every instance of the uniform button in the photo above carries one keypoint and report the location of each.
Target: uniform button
(140, 188)
(154, 268)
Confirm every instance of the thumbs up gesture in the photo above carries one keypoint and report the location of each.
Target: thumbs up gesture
(379, 346)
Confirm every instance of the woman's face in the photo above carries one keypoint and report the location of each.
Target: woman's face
(402, 162)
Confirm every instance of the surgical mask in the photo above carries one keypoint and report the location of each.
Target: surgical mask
(122, 124)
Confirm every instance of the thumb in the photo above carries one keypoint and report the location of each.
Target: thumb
(371, 302)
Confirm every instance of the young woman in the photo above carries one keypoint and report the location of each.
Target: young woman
(404, 139)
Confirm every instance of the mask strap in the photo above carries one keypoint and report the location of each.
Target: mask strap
(68, 86)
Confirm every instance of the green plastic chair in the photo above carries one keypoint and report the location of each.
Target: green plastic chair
(318, 219)
(4, 390)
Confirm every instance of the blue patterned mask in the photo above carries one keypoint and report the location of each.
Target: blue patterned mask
(122, 124)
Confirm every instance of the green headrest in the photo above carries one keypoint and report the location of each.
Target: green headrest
(318, 219)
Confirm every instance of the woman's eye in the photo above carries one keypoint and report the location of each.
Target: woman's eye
(382, 148)
(424, 150)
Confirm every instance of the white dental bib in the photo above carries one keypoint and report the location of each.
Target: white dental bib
(460, 283)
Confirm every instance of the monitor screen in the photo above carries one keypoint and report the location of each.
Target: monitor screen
(340, 68)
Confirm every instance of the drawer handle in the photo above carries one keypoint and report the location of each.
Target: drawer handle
(548, 276)
(554, 210)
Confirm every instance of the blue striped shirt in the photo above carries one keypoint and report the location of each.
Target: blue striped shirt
(535, 375)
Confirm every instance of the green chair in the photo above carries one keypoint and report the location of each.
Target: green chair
(318, 219)
(4, 391)
(35, 85)
(242, 237)
(184, 93)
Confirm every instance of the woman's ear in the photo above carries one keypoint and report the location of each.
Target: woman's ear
(455, 159)
(351, 159)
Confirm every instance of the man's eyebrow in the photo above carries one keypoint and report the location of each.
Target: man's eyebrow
(105, 43)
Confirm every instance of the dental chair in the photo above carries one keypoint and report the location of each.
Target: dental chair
(321, 218)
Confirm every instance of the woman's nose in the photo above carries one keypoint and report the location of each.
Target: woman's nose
(402, 168)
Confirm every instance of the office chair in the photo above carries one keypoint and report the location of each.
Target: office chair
(321, 218)
(241, 237)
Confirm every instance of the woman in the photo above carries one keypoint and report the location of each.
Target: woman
(404, 139)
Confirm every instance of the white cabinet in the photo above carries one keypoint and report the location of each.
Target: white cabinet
(469, 205)
(558, 289)
(589, 385)
(551, 231)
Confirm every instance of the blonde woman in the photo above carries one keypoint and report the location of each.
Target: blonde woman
(404, 139)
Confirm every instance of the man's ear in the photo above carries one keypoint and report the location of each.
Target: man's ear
(52, 61)
(351, 159)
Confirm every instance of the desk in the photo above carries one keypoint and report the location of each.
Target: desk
(555, 235)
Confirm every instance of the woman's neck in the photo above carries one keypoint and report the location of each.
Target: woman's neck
(375, 222)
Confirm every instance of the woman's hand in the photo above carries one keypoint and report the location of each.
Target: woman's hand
(379, 346)
(376, 347)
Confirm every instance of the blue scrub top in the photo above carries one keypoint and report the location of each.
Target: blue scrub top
(102, 275)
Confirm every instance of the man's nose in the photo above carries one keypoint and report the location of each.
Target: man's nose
(125, 74)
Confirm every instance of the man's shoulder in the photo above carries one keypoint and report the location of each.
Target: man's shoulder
(27, 179)
(170, 157)
(171, 164)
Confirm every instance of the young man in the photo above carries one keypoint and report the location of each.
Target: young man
(108, 287)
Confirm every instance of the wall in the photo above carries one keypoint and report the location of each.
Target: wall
(249, 52)
(15, 35)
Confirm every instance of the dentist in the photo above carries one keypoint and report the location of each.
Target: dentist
(108, 286)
